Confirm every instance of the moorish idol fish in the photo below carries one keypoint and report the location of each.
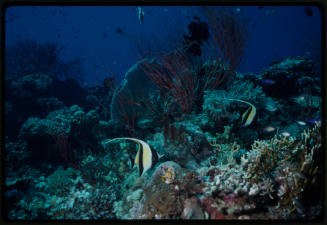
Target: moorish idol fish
(145, 158)
(249, 114)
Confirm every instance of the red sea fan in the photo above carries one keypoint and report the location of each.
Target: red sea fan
(229, 34)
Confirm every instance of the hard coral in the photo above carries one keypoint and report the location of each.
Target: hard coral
(192, 209)
(294, 177)
(60, 181)
(166, 198)
(266, 155)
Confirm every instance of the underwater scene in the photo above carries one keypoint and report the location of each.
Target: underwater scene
(163, 112)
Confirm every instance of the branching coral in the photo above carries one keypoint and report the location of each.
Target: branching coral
(266, 155)
(224, 153)
(301, 171)
(294, 164)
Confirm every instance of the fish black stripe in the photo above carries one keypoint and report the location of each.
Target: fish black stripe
(154, 156)
(141, 159)
(246, 114)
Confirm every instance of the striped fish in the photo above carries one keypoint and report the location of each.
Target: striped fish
(249, 114)
(145, 158)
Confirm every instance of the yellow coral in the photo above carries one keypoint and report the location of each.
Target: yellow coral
(169, 176)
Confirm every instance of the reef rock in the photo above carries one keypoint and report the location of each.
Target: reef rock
(289, 76)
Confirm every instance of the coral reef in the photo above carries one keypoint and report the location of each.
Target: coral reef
(60, 134)
(40, 94)
(210, 171)
(221, 144)
(291, 75)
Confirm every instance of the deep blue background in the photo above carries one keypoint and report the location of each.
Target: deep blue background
(91, 32)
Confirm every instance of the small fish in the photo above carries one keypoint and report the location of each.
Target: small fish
(269, 129)
(145, 158)
(298, 99)
(313, 121)
(140, 14)
(268, 81)
(119, 30)
(285, 134)
(144, 123)
(238, 9)
(301, 123)
(270, 105)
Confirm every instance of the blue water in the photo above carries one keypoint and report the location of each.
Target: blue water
(91, 32)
